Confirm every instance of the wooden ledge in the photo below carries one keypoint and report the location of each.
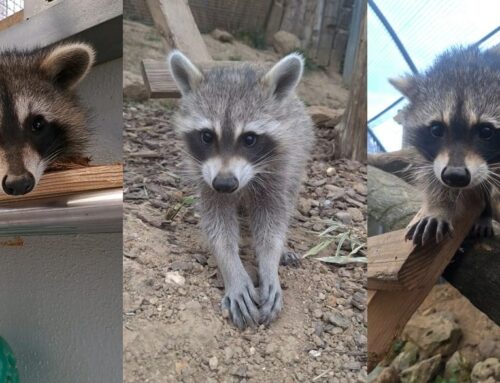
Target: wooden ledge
(64, 182)
(400, 276)
(11, 20)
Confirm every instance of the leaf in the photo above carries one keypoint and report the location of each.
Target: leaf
(341, 241)
(355, 250)
(316, 249)
(188, 201)
(343, 260)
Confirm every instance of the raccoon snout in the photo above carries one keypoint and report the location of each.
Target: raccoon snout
(456, 176)
(225, 183)
(18, 184)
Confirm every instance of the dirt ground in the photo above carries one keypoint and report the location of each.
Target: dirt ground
(174, 330)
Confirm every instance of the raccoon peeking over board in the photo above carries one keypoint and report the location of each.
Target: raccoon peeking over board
(453, 120)
(41, 118)
(248, 139)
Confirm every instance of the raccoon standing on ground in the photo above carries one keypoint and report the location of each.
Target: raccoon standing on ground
(41, 119)
(248, 138)
(453, 120)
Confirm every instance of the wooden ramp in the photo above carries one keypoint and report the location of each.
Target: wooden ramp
(400, 276)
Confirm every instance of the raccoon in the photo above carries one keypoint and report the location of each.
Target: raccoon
(453, 120)
(248, 139)
(41, 119)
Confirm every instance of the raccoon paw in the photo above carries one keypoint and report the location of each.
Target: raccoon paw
(483, 228)
(289, 258)
(271, 301)
(240, 303)
(427, 229)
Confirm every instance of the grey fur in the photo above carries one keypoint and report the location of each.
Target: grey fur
(461, 90)
(233, 98)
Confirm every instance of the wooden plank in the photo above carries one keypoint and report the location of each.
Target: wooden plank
(274, 21)
(159, 81)
(57, 183)
(176, 24)
(390, 310)
(327, 32)
(11, 20)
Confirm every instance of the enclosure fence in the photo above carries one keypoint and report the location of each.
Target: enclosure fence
(9, 7)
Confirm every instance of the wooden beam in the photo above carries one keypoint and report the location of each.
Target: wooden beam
(176, 24)
(64, 182)
(390, 309)
(160, 84)
(11, 20)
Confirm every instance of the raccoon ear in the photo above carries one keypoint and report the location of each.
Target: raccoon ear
(186, 75)
(67, 64)
(407, 85)
(285, 75)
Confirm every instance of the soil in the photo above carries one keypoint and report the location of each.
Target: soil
(174, 330)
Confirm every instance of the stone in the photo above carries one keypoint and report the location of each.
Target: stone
(383, 375)
(457, 368)
(437, 333)
(487, 369)
(325, 117)
(489, 348)
(285, 42)
(213, 363)
(174, 278)
(406, 358)
(304, 206)
(222, 36)
(330, 172)
(422, 372)
(355, 214)
(337, 319)
(344, 217)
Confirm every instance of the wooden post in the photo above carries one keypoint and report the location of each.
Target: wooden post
(353, 127)
(176, 24)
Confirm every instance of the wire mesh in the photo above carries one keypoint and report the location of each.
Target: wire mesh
(9, 7)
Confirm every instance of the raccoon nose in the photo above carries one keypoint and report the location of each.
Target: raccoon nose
(453, 176)
(225, 184)
(18, 184)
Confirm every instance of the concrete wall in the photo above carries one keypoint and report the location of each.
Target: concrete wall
(60, 307)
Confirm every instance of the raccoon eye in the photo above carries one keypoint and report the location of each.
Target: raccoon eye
(485, 131)
(38, 124)
(207, 136)
(249, 139)
(437, 129)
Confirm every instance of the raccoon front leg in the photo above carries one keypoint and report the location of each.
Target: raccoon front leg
(269, 226)
(219, 221)
(435, 224)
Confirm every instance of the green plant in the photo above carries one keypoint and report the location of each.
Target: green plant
(254, 39)
(339, 234)
(309, 64)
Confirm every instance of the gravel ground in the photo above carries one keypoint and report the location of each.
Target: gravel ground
(174, 330)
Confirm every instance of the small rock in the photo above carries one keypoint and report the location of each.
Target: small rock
(317, 313)
(457, 368)
(355, 214)
(270, 349)
(330, 172)
(305, 206)
(318, 341)
(315, 353)
(173, 277)
(383, 375)
(222, 36)
(325, 117)
(490, 368)
(344, 217)
(285, 42)
(213, 363)
(421, 372)
(337, 319)
(406, 358)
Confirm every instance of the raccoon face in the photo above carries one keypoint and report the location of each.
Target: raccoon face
(453, 118)
(228, 119)
(40, 118)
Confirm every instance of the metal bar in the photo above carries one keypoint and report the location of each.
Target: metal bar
(91, 212)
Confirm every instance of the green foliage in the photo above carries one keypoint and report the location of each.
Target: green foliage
(340, 235)
(309, 64)
(440, 379)
(256, 40)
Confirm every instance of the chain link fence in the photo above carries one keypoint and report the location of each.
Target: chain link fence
(9, 7)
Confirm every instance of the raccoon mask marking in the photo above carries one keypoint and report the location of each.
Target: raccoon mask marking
(41, 119)
(248, 139)
(453, 120)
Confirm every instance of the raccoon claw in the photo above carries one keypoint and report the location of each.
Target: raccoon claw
(271, 302)
(241, 304)
(483, 228)
(289, 258)
(427, 229)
